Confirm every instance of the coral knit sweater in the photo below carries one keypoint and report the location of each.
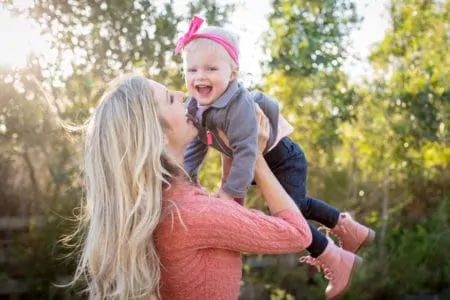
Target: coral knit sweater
(200, 238)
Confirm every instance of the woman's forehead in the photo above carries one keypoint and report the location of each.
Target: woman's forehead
(157, 86)
(161, 93)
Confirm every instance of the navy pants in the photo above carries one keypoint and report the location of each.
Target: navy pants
(288, 162)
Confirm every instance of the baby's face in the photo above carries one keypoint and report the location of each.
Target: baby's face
(207, 74)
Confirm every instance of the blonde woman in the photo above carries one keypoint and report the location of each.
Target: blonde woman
(149, 232)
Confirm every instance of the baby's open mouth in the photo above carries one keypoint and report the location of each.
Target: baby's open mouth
(203, 89)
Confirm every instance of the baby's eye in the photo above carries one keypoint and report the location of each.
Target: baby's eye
(192, 70)
(212, 68)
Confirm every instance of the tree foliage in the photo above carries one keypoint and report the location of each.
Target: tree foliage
(307, 47)
(309, 37)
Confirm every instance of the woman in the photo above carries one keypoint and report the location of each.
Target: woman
(150, 232)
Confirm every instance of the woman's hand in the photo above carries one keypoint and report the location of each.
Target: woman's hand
(263, 129)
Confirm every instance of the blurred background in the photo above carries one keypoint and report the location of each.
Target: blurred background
(366, 84)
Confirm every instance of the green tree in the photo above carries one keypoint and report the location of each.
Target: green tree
(306, 47)
(309, 37)
(415, 55)
(307, 43)
(416, 98)
(401, 142)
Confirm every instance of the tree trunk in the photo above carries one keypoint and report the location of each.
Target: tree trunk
(34, 182)
(385, 208)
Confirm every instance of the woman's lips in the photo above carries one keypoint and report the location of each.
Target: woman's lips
(191, 118)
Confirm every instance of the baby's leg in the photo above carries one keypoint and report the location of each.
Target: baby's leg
(288, 163)
(320, 211)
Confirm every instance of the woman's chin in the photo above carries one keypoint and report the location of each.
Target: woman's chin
(195, 132)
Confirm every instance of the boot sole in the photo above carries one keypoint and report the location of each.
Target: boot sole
(356, 265)
(368, 241)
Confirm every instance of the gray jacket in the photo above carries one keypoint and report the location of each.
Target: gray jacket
(234, 114)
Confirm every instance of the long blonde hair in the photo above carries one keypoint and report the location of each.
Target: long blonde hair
(126, 167)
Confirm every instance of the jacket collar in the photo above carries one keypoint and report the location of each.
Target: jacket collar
(232, 89)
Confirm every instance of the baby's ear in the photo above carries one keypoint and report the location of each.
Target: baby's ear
(234, 74)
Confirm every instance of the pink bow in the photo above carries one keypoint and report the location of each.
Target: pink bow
(192, 35)
(185, 39)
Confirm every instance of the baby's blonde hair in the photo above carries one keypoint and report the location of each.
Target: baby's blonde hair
(204, 42)
(126, 166)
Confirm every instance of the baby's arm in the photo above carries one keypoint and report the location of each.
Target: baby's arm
(193, 157)
(242, 133)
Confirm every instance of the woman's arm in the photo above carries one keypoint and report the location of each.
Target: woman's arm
(206, 222)
(276, 197)
(226, 165)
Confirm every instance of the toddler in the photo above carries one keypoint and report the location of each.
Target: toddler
(218, 101)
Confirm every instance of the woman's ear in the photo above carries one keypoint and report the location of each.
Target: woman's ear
(166, 139)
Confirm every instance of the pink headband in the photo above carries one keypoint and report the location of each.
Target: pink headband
(192, 35)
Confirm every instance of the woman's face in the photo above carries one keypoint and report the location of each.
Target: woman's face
(180, 131)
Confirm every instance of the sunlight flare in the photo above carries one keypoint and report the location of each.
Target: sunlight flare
(19, 39)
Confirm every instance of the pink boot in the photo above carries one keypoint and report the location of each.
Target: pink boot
(338, 266)
(352, 234)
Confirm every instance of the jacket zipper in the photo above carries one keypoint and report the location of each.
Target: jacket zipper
(210, 135)
(209, 138)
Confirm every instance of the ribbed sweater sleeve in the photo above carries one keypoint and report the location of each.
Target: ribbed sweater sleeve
(216, 223)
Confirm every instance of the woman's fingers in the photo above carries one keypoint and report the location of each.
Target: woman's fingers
(263, 128)
(259, 113)
(263, 121)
